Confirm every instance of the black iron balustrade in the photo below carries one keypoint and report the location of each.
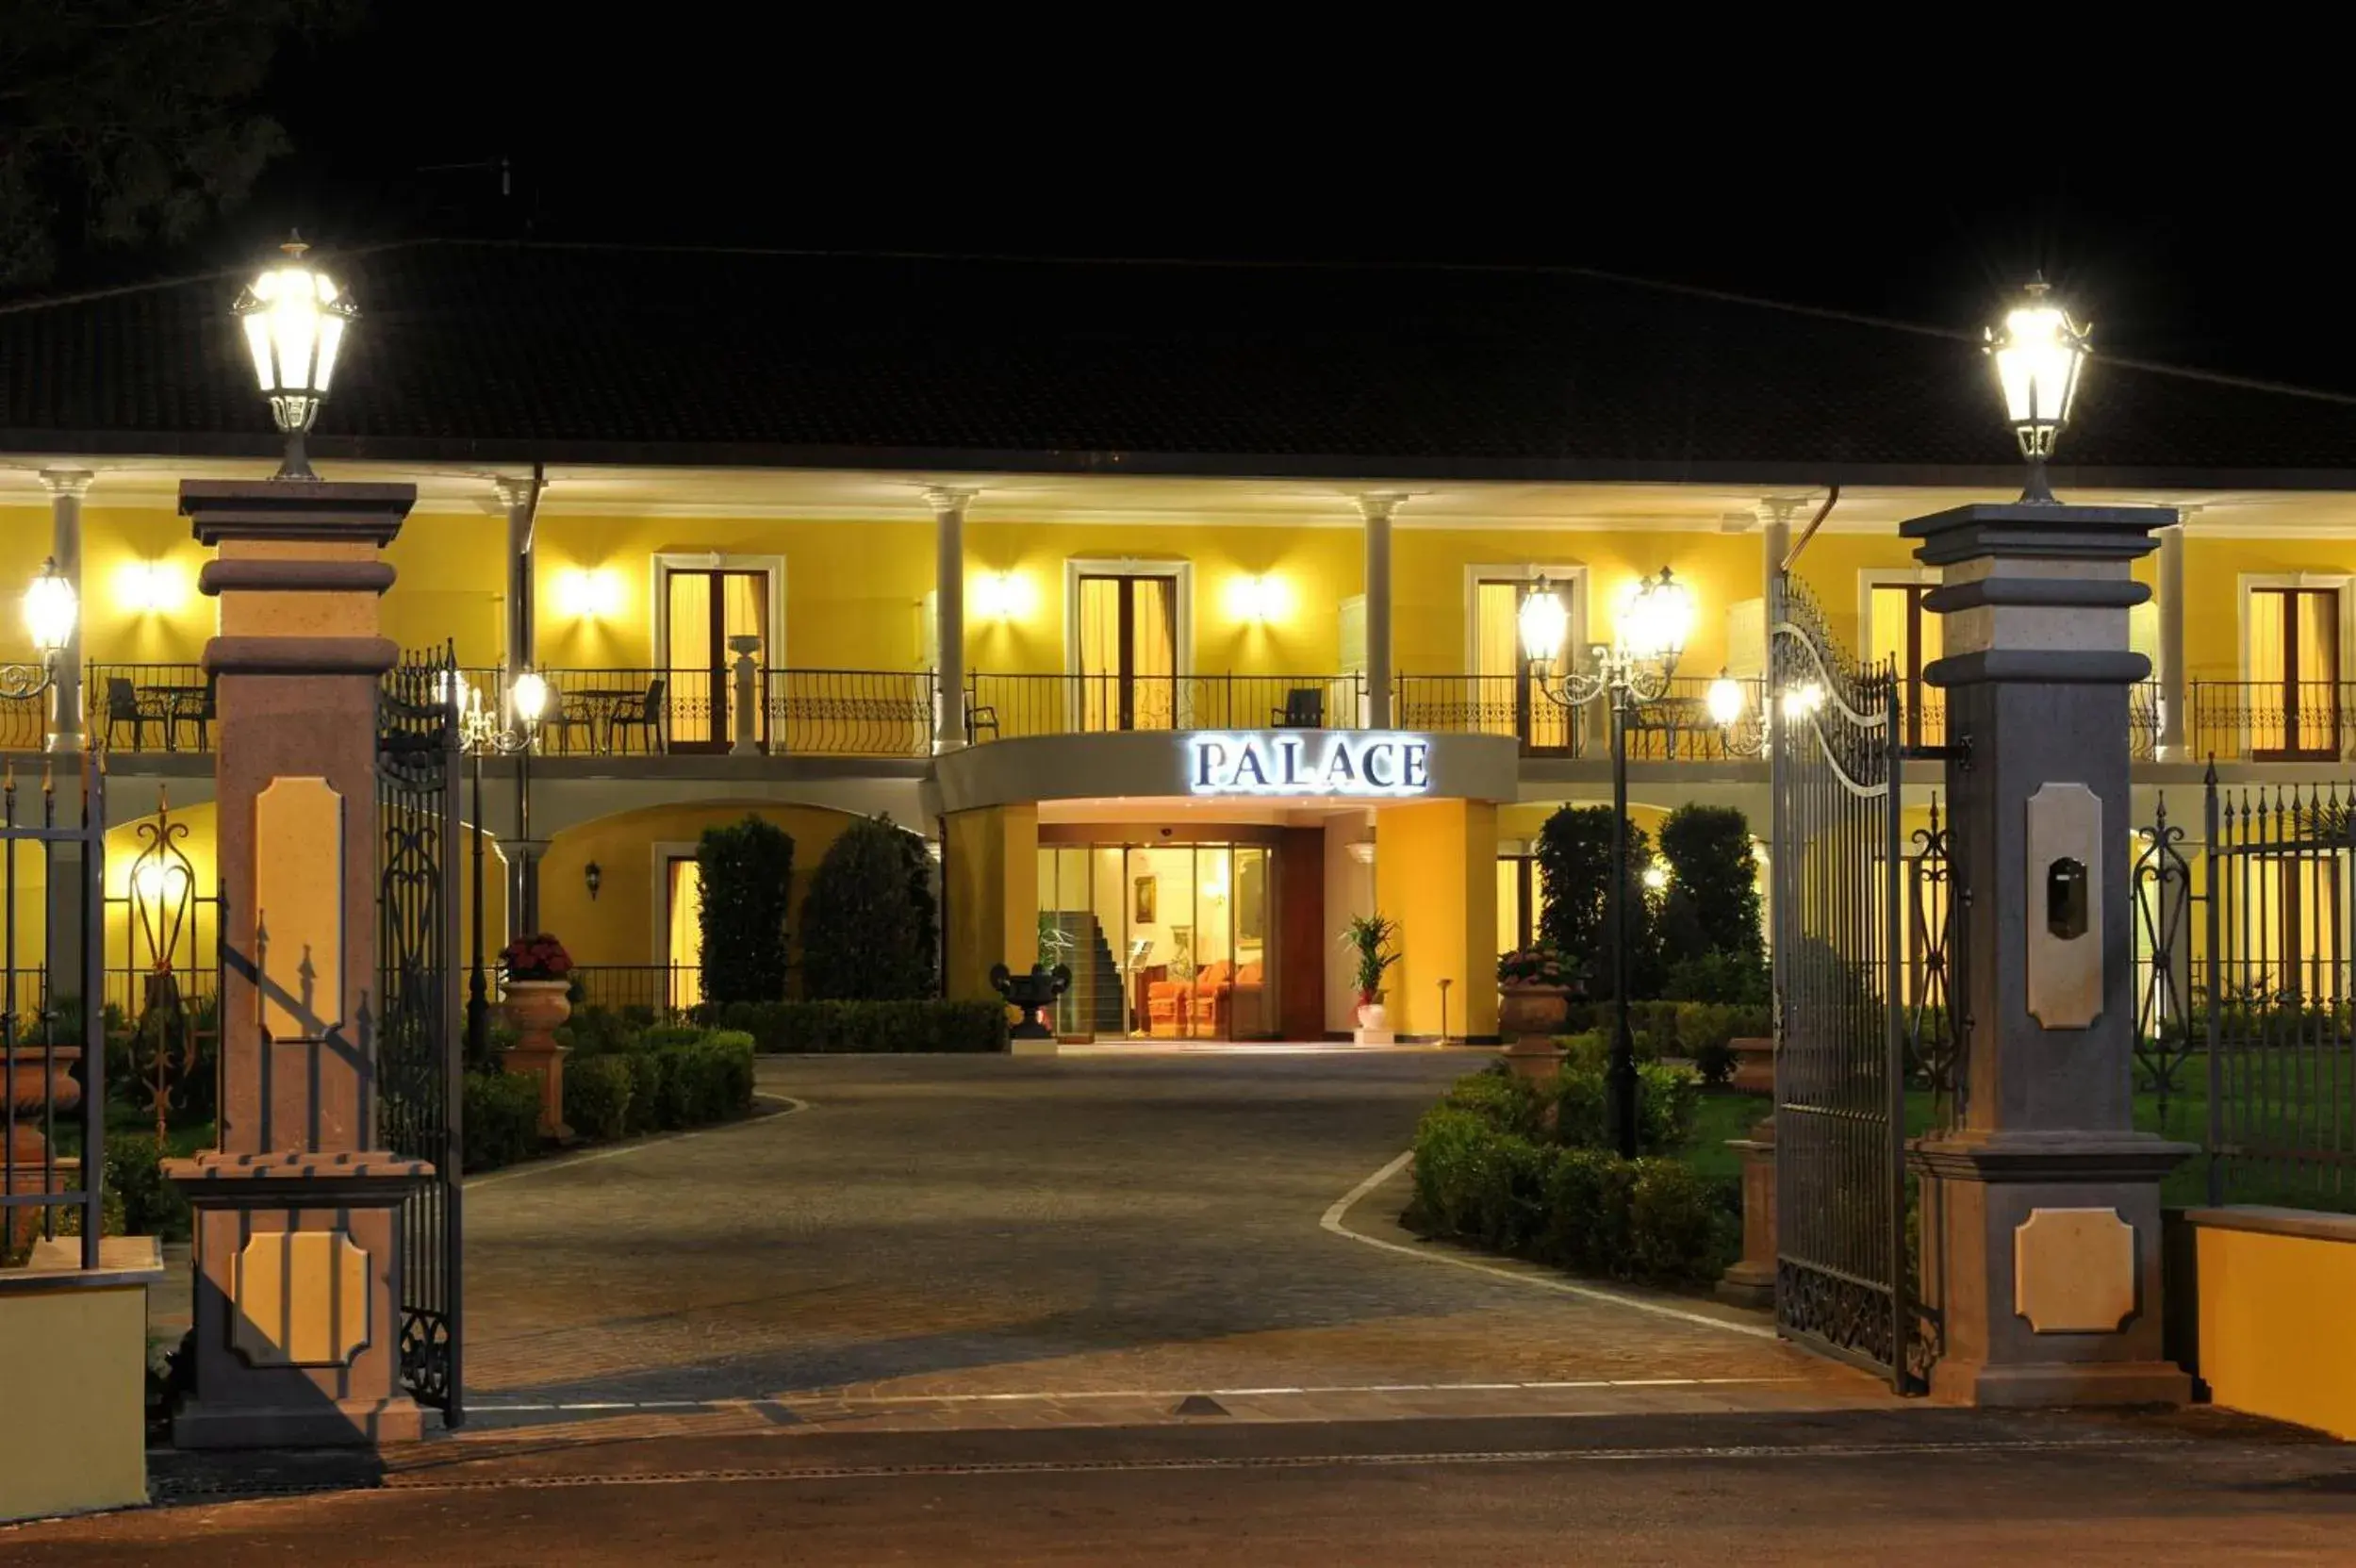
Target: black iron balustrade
(848, 713)
(149, 707)
(1006, 707)
(657, 990)
(2272, 720)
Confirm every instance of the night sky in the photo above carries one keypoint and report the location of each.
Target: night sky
(2195, 239)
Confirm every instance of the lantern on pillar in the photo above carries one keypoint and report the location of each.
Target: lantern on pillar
(294, 317)
(50, 608)
(2039, 353)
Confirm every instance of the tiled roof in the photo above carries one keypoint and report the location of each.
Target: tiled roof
(586, 354)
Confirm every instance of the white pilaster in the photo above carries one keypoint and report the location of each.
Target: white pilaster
(1774, 539)
(1376, 507)
(2175, 691)
(67, 486)
(516, 496)
(948, 598)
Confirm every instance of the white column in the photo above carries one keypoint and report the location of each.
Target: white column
(949, 601)
(1775, 541)
(1376, 508)
(2175, 693)
(516, 495)
(67, 486)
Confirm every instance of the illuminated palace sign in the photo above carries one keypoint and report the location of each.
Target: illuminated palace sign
(1289, 762)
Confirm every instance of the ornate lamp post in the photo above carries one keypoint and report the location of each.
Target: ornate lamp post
(49, 611)
(294, 317)
(2039, 353)
(1633, 670)
(480, 734)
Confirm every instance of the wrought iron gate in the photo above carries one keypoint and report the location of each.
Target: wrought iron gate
(418, 1059)
(1841, 960)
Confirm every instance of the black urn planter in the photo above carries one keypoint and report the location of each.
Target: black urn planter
(1034, 993)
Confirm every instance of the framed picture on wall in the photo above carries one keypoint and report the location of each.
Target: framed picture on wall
(1147, 888)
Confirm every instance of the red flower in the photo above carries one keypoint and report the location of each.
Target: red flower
(535, 957)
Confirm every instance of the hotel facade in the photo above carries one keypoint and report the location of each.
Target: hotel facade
(1177, 607)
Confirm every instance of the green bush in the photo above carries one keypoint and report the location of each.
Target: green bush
(865, 938)
(746, 871)
(829, 1027)
(1667, 1100)
(662, 1036)
(502, 1120)
(646, 1088)
(1674, 1223)
(597, 1096)
(1449, 1145)
(1574, 858)
(1500, 1098)
(595, 1030)
(1715, 1064)
(1588, 1210)
(134, 1175)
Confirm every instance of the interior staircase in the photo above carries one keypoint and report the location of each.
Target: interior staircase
(1094, 1002)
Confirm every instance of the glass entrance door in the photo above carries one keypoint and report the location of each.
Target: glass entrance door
(705, 610)
(1165, 941)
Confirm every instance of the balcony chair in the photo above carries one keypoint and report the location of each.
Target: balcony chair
(978, 719)
(207, 709)
(1304, 709)
(642, 713)
(124, 706)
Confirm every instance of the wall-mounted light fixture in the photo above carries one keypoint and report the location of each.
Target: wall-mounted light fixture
(593, 876)
(1256, 597)
(150, 587)
(1001, 595)
(587, 593)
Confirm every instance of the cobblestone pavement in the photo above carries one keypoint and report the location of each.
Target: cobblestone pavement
(996, 1240)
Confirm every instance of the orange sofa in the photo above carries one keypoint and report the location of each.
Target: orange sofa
(1227, 999)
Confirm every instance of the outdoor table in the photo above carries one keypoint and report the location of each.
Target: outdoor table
(181, 702)
(597, 706)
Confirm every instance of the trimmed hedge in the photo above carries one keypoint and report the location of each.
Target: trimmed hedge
(1514, 1170)
(1694, 1029)
(598, 1091)
(501, 1119)
(831, 1026)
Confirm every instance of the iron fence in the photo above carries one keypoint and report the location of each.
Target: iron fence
(149, 707)
(2144, 708)
(661, 990)
(24, 723)
(53, 1057)
(1674, 727)
(1005, 707)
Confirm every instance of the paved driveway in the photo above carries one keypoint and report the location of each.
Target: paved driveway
(988, 1233)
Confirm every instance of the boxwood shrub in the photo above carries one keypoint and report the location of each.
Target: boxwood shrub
(502, 1123)
(1516, 1170)
(831, 1026)
(597, 1093)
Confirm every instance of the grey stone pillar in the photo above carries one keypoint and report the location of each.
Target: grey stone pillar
(2041, 1206)
(516, 496)
(1376, 508)
(67, 486)
(2175, 692)
(948, 609)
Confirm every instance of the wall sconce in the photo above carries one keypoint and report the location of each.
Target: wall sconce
(1001, 595)
(587, 593)
(150, 587)
(1257, 597)
(594, 876)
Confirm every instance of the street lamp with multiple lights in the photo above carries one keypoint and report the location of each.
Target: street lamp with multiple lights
(1631, 670)
(481, 734)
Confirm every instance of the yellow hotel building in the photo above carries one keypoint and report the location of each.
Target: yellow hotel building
(992, 546)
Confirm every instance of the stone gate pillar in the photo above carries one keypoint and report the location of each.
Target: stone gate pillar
(298, 1292)
(2041, 1205)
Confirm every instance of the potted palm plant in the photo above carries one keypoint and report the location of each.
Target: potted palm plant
(1374, 938)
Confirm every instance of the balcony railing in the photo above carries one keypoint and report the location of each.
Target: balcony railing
(1675, 727)
(848, 713)
(1005, 707)
(636, 712)
(2273, 720)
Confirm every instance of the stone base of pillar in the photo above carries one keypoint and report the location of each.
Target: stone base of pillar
(2041, 1254)
(1750, 1282)
(544, 1060)
(298, 1319)
(1534, 1058)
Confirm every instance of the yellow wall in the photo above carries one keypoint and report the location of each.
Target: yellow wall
(853, 590)
(450, 584)
(1435, 873)
(2272, 1317)
(992, 870)
(74, 1364)
(620, 925)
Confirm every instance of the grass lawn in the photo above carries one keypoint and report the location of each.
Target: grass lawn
(1722, 1116)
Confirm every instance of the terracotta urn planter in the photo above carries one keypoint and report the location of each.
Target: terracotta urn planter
(1532, 1012)
(30, 1078)
(534, 1008)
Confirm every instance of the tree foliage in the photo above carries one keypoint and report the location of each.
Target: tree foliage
(747, 871)
(1574, 861)
(1710, 934)
(126, 122)
(863, 935)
